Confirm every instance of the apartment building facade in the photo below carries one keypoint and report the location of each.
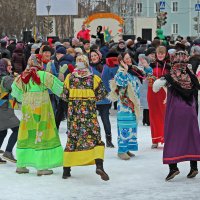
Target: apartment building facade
(180, 15)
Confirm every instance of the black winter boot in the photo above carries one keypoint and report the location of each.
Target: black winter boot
(66, 172)
(2, 161)
(109, 141)
(145, 120)
(173, 171)
(100, 171)
(194, 170)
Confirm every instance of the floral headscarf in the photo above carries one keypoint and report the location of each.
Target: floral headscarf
(35, 64)
(178, 71)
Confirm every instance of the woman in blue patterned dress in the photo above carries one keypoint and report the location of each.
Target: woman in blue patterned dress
(128, 80)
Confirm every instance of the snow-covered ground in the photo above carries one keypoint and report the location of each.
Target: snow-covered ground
(141, 178)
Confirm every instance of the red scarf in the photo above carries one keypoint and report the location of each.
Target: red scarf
(31, 73)
(112, 61)
(45, 61)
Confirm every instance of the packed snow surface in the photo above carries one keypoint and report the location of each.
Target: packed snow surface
(141, 178)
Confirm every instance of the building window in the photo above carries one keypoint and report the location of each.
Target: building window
(139, 7)
(157, 7)
(174, 28)
(174, 6)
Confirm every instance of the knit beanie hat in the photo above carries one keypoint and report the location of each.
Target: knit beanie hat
(150, 50)
(61, 50)
(57, 43)
(121, 41)
(75, 40)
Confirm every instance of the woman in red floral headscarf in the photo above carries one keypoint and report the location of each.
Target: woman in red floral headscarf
(38, 142)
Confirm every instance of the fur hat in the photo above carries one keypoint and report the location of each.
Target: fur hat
(46, 48)
(112, 54)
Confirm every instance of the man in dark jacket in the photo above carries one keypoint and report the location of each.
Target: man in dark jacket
(195, 62)
(64, 69)
(141, 49)
(12, 45)
(5, 53)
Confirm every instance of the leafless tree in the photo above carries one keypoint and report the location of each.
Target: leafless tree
(20, 15)
(16, 16)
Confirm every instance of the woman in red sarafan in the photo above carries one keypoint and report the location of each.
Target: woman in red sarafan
(156, 101)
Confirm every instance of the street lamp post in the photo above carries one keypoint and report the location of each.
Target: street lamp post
(198, 20)
(48, 11)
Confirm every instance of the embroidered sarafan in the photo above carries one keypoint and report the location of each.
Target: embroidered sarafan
(84, 143)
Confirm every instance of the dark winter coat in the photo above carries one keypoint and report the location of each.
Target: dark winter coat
(5, 53)
(28, 52)
(11, 48)
(7, 115)
(195, 62)
(70, 59)
(140, 50)
(65, 60)
(18, 61)
(104, 51)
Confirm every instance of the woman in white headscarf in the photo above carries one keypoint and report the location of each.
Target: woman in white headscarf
(84, 145)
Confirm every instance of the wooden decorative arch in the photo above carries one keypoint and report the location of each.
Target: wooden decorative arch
(103, 15)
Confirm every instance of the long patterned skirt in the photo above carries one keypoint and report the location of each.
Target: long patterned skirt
(84, 143)
(127, 129)
(38, 142)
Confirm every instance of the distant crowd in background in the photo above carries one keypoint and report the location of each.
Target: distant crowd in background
(75, 77)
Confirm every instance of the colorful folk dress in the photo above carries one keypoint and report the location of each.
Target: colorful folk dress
(128, 111)
(38, 142)
(84, 143)
(182, 136)
(156, 105)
